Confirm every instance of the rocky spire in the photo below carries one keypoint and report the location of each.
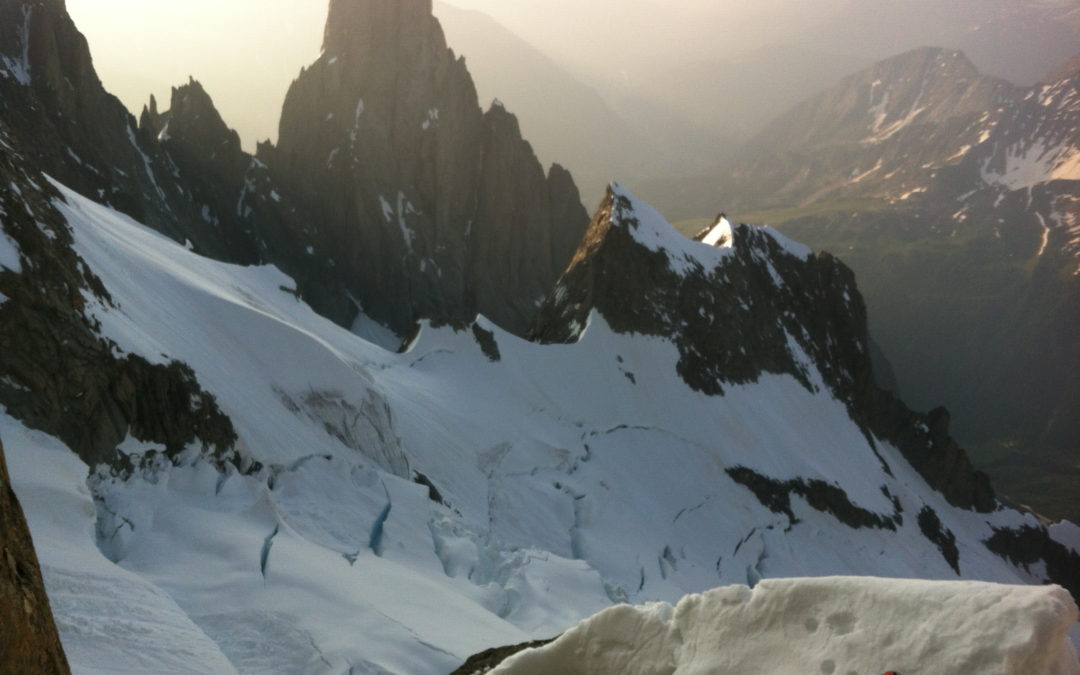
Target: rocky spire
(372, 25)
(435, 208)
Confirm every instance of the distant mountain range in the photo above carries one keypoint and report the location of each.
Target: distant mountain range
(739, 95)
(1011, 39)
(954, 197)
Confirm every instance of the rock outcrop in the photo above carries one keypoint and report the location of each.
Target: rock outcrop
(435, 208)
(30, 642)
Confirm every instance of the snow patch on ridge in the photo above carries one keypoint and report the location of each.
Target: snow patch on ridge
(721, 234)
(651, 230)
(789, 246)
(1045, 235)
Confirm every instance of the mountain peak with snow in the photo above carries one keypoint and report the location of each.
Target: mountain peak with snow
(763, 305)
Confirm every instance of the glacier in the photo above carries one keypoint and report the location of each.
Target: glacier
(396, 512)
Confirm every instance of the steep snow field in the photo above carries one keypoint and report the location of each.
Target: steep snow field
(826, 625)
(415, 508)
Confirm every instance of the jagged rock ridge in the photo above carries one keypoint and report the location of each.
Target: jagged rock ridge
(437, 209)
(193, 183)
(764, 305)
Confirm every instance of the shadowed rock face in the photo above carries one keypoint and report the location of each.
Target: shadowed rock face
(181, 172)
(435, 208)
(30, 642)
(241, 214)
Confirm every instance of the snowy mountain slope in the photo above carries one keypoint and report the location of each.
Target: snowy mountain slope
(398, 512)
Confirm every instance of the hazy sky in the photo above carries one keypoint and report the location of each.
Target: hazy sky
(606, 35)
(246, 52)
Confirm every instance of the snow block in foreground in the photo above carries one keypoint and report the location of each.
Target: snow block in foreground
(847, 626)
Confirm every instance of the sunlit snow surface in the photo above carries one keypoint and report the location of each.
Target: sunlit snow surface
(825, 625)
(567, 485)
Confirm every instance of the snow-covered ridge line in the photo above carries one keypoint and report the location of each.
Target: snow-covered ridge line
(827, 625)
(652, 230)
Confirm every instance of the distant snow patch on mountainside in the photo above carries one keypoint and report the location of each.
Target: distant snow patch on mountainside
(828, 625)
(1036, 163)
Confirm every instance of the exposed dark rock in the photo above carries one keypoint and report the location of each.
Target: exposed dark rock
(433, 492)
(1029, 545)
(30, 642)
(940, 536)
(487, 342)
(775, 495)
(395, 189)
(436, 209)
(65, 121)
(486, 660)
(884, 375)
